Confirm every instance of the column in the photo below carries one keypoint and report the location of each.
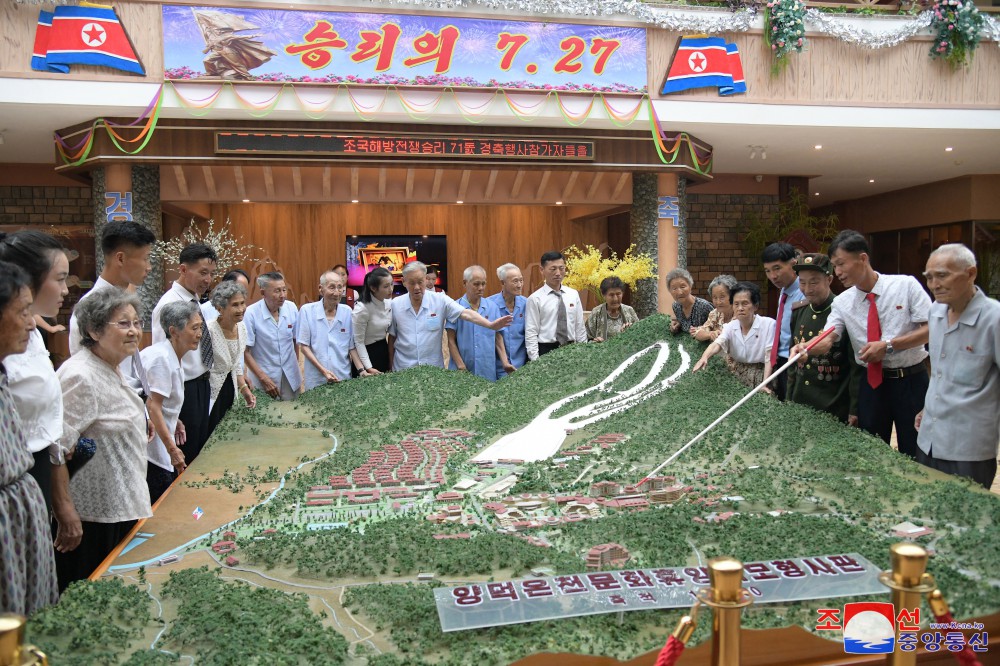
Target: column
(645, 235)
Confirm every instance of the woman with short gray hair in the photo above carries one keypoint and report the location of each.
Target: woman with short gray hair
(718, 289)
(181, 322)
(104, 423)
(229, 341)
(689, 311)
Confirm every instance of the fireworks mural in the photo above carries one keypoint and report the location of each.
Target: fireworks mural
(218, 43)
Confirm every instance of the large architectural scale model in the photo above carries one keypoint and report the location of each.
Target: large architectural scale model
(318, 531)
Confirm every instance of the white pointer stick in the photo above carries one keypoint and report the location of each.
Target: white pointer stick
(788, 364)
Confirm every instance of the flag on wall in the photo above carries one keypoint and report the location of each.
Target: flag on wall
(87, 34)
(38, 60)
(703, 62)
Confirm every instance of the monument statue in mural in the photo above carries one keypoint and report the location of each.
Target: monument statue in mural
(231, 55)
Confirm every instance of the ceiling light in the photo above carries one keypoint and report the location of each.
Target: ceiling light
(818, 146)
(948, 149)
(871, 180)
(354, 201)
(458, 202)
(817, 193)
(559, 203)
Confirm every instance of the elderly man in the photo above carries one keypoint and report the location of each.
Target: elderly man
(326, 335)
(271, 352)
(886, 318)
(418, 320)
(779, 267)
(473, 347)
(960, 425)
(197, 266)
(827, 383)
(553, 314)
(510, 302)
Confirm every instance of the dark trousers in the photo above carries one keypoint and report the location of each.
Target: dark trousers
(99, 539)
(980, 471)
(41, 471)
(546, 347)
(896, 401)
(158, 480)
(780, 383)
(194, 416)
(223, 403)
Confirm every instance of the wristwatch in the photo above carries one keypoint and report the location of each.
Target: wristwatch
(888, 345)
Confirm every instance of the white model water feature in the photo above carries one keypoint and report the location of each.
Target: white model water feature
(542, 438)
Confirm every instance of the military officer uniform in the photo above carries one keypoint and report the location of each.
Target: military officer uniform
(828, 383)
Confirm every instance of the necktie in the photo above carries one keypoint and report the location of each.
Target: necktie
(140, 372)
(205, 347)
(777, 331)
(874, 335)
(562, 328)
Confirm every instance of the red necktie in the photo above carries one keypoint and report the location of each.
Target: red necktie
(777, 332)
(874, 335)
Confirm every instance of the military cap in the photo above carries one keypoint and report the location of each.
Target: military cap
(814, 262)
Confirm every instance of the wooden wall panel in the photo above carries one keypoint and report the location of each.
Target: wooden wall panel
(833, 72)
(306, 239)
(142, 23)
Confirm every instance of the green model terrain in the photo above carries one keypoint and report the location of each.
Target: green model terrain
(337, 583)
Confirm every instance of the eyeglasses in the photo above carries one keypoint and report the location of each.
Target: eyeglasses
(125, 324)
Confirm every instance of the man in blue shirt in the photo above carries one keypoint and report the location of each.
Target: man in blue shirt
(272, 354)
(418, 319)
(779, 260)
(511, 302)
(473, 347)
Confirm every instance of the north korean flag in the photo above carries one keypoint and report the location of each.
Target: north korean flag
(39, 63)
(739, 84)
(699, 62)
(91, 35)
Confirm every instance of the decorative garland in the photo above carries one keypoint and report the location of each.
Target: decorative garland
(957, 25)
(78, 154)
(869, 39)
(784, 31)
(420, 110)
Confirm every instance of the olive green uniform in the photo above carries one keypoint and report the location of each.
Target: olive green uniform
(828, 383)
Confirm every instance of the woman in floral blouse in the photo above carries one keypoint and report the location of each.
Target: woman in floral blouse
(719, 289)
(610, 317)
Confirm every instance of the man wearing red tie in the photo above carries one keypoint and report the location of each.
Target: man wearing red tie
(886, 319)
(779, 266)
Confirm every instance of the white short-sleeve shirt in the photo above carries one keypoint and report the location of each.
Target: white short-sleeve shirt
(37, 396)
(165, 376)
(755, 346)
(330, 340)
(418, 334)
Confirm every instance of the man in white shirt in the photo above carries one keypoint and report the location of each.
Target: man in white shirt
(197, 267)
(126, 247)
(418, 320)
(554, 313)
(272, 353)
(886, 318)
(326, 335)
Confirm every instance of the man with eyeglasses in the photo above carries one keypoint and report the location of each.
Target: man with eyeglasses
(510, 302)
(196, 270)
(554, 313)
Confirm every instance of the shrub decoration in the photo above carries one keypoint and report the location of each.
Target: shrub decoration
(585, 269)
(957, 25)
(232, 252)
(785, 30)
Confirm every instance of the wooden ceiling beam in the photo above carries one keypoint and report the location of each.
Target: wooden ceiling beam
(490, 184)
(594, 184)
(381, 183)
(542, 184)
(570, 184)
(241, 186)
(354, 183)
(463, 185)
(620, 185)
(182, 186)
(269, 182)
(436, 185)
(515, 189)
(327, 185)
(209, 181)
(297, 181)
(409, 184)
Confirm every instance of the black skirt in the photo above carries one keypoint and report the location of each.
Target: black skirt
(378, 354)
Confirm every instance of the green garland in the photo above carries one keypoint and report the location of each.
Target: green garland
(957, 26)
(785, 30)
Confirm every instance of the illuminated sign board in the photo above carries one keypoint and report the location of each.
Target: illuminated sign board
(379, 145)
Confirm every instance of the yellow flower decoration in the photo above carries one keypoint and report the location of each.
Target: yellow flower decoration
(586, 269)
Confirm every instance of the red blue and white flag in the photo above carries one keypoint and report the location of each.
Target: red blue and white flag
(38, 60)
(87, 34)
(703, 62)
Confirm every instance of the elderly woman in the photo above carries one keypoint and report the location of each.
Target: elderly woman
(32, 379)
(372, 317)
(688, 310)
(229, 341)
(719, 289)
(610, 317)
(105, 423)
(27, 570)
(181, 322)
(746, 339)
